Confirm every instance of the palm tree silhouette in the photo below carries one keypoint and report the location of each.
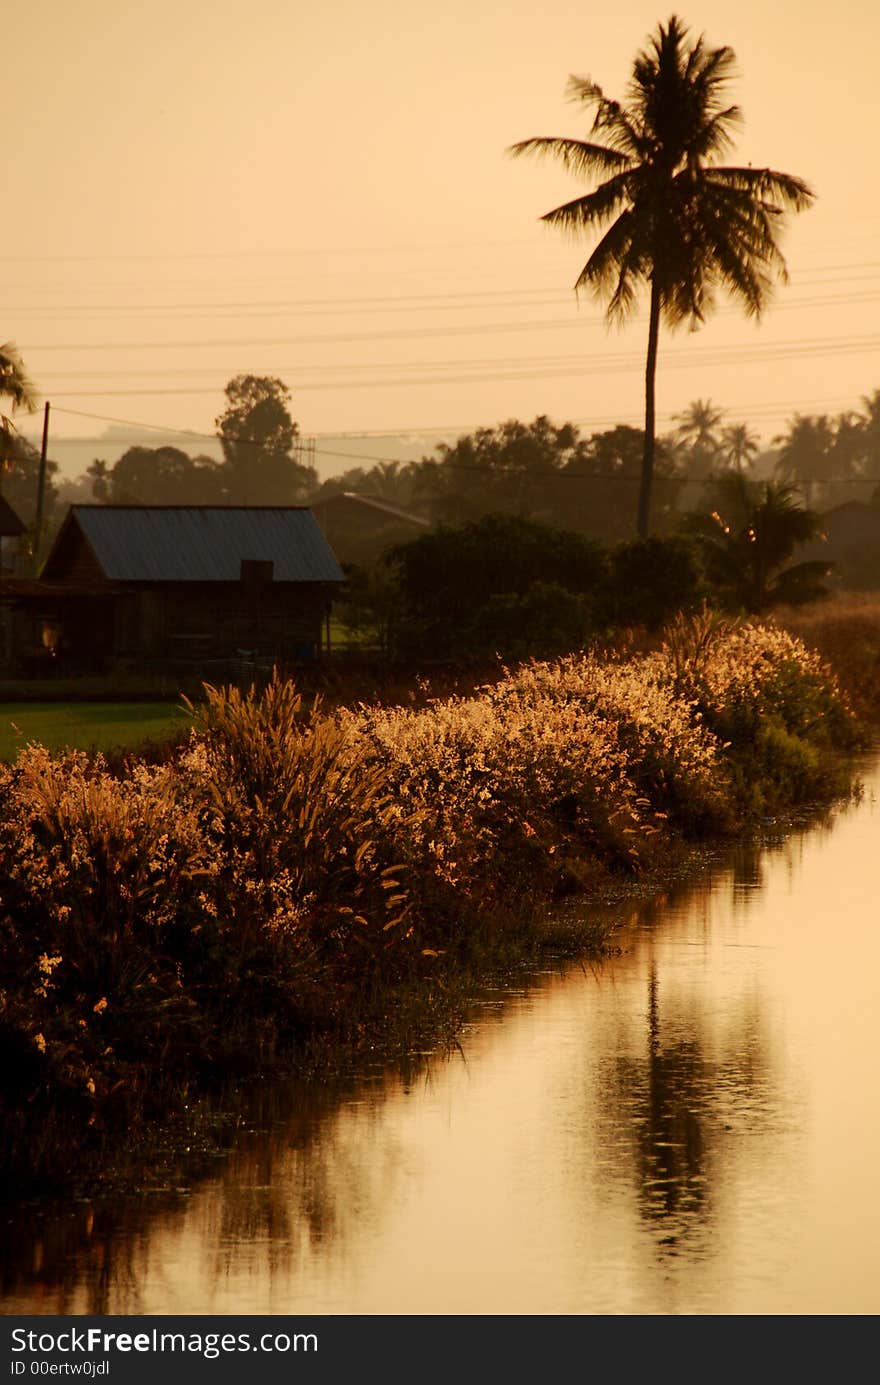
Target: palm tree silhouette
(697, 430)
(806, 455)
(15, 385)
(748, 540)
(680, 224)
(739, 446)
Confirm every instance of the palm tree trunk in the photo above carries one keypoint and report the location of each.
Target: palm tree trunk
(644, 515)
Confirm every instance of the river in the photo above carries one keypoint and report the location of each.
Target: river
(689, 1126)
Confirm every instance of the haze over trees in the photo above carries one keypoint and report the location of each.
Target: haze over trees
(259, 466)
(257, 434)
(672, 220)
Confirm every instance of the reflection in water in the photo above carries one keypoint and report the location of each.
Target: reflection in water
(669, 1094)
(681, 1128)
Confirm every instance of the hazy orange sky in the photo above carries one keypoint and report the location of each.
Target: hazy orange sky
(197, 189)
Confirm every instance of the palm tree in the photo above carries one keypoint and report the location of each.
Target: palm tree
(99, 472)
(870, 429)
(748, 539)
(739, 446)
(681, 225)
(15, 385)
(697, 429)
(806, 455)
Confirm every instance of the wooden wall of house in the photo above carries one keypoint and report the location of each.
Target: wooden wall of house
(217, 620)
(73, 559)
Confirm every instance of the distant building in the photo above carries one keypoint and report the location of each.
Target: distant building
(358, 527)
(851, 543)
(176, 587)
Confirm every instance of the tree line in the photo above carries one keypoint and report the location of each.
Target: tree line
(548, 472)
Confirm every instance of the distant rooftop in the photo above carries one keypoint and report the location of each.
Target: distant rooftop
(201, 543)
(372, 502)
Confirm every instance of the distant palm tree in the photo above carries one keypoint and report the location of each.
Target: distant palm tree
(748, 539)
(806, 455)
(680, 224)
(739, 446)
(870, 428)
(697, 430)
(15, 385)
(99, 471)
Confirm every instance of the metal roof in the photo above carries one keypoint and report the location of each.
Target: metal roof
(195, 543)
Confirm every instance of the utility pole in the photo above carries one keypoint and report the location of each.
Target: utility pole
(41, 487)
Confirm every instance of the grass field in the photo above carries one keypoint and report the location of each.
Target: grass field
(85, 725)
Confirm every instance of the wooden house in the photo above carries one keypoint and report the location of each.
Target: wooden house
(177, 587)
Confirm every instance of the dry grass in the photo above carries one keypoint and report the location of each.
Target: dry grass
(845, 631)
(294, 872)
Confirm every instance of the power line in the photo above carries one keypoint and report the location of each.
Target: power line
(606, 365)
(769, 408)
(399, 302)
(531, 363)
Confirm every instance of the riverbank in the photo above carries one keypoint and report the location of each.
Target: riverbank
(294, 882)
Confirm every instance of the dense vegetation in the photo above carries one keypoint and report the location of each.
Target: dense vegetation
(295, 876)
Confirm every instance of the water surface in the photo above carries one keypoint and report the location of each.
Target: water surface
(689, 1127)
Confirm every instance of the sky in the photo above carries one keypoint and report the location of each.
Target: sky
(202, 188)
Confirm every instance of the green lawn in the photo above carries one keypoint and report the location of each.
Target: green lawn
(85, 725)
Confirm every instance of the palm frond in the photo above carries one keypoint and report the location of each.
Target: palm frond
(714, 136)
(791, 193)
(576, 155)
(15, 382)
(610, 117)
(594, 208)
(617, 267)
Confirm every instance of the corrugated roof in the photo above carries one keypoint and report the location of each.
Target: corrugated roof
(165, 543)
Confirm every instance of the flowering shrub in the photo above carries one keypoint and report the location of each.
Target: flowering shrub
(288, 864)
(771, 702)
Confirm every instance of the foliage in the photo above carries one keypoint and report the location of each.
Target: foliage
(649, 580)
(516, 468)
(449, 574)
(545, 621)
(159, 476)
(540, 470)
(845, 633)
(748, 539)
(672, 219)
(16, 386)
(289, 869)
(771, 702)
(20, 479)
(303, 824)
(697, 429)
(827, 458)
(369, 604)
(257, 434)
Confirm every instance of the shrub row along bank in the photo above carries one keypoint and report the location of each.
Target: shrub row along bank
(292, 874)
